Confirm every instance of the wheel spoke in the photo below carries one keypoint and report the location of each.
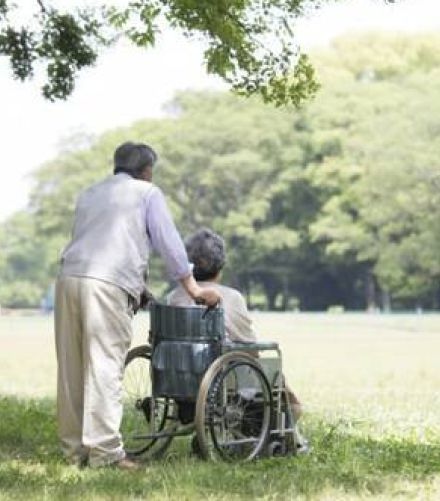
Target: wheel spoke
(137, 401)
(237, 407)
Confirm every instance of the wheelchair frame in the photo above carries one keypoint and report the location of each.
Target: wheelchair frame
(238, 394)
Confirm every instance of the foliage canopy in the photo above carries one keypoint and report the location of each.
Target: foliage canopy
(249, 43)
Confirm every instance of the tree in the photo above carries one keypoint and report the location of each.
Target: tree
(333, 204)
(24, 270)
(250, 43)
(382, 192)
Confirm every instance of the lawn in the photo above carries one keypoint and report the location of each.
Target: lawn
(370, 384)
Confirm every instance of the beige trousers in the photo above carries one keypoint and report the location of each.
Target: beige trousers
(93, 334)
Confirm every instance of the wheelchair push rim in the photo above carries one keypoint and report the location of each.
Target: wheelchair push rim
(233, 421)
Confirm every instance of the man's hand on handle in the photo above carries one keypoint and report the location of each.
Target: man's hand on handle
(145, 299)
(209, 297)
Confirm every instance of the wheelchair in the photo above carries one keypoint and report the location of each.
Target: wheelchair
(230, 397)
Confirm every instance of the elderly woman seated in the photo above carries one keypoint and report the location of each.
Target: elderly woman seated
(206, 250)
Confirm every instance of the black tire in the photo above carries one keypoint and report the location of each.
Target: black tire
(137, 401)
(231, 425)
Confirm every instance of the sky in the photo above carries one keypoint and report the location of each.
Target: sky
(128, 84)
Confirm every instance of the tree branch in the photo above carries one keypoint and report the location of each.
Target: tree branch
(42, 6)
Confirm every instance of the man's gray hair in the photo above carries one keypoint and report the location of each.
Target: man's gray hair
(206, 250)
(132, 158)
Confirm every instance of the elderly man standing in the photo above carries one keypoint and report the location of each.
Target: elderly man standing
(100, 284)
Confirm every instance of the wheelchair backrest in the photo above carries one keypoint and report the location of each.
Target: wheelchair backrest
(192, 323)
(185, 341)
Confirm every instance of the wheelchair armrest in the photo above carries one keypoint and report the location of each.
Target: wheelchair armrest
(260, 346)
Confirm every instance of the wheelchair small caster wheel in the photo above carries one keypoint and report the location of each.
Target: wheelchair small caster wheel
(195, 447)
(276, 449)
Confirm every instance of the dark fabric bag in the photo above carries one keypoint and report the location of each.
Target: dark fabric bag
(185, 343)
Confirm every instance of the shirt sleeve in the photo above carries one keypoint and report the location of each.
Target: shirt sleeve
(165, 238)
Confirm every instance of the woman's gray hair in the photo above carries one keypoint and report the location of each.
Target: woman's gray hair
(206, 250)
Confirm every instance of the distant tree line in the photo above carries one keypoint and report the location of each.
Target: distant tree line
(337, 203)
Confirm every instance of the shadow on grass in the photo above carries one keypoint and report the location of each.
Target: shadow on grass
(31, 465)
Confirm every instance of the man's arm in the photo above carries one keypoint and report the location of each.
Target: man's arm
(166, 240)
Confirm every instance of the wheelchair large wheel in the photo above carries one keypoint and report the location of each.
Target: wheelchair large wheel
(137, 401)
(234, 408)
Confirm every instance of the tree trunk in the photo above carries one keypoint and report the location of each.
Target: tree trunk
(370, 292)
(271, 288)
(286, 295)
(436, 298)
(271, 298)
(247, 290)
(386, 301)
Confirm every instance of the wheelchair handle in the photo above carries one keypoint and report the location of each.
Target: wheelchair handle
(200, 301)
(145, 299)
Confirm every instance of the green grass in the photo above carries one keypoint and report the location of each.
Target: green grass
(370, 384)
